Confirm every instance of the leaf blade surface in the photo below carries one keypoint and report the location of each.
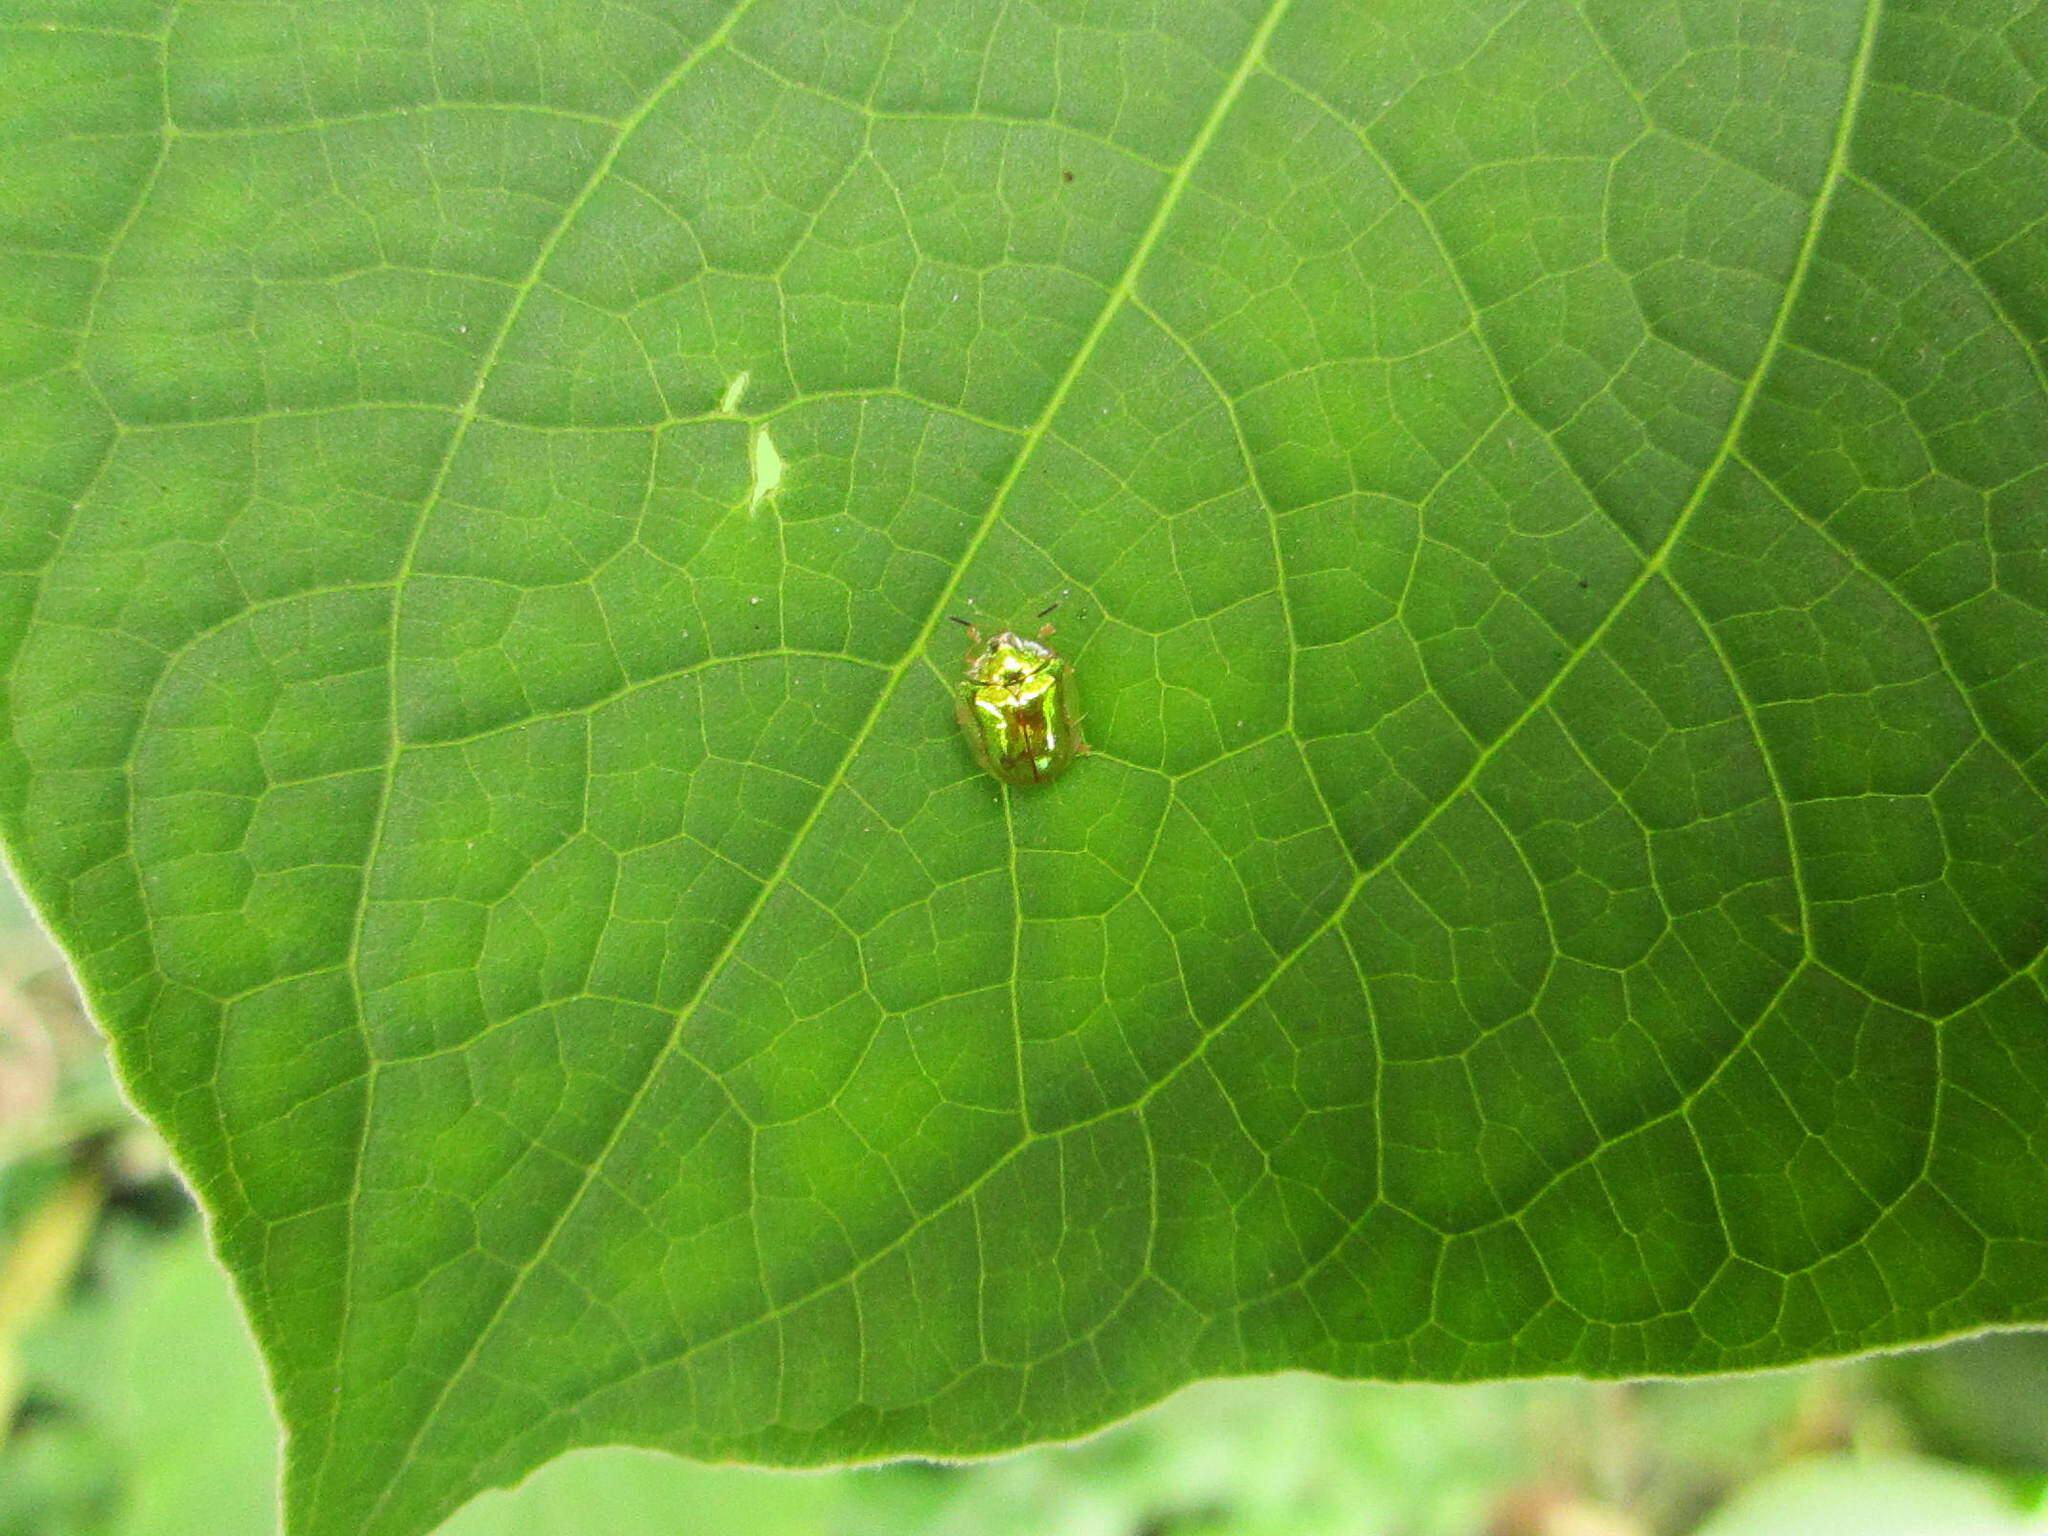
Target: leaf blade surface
(1547, 503)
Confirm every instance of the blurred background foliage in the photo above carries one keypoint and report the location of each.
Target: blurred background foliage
(132, 1404)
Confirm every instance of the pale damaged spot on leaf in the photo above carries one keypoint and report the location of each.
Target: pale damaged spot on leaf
(766, 464)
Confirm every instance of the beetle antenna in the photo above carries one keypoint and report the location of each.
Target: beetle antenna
(963, 623)
(1048, 608)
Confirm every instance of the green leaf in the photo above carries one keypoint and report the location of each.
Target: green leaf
(1982, 1400)
(201, 1444)
(199, 1456)
(1551, 507)
(1885, 1496)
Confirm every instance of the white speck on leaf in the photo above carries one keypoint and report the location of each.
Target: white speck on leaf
(767, 467)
